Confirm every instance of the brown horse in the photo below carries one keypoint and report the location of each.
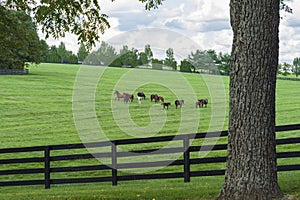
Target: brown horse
(156, 98)
(159, 98)
(198, 104)
(118, 95)
(153, 97)
(201, 102)
(179, 103)
(127, 97)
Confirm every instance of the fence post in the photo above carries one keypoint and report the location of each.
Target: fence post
(47, 167)
(186, 157)
(114, 163)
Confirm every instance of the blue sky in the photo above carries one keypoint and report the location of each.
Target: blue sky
(205, 22)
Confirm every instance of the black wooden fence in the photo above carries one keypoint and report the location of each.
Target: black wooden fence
(187, 163)
(13, 72)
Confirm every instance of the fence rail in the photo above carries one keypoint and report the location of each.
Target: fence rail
(13, 72)
(183, 147)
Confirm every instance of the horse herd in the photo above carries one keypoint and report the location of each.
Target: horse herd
(154, 97)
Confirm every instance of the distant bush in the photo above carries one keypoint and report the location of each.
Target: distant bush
(157, 64)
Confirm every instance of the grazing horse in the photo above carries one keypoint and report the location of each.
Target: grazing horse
(141, 94)
(156, 98)
(179, 103)
(128, 97)
(198, 104)
(202, 102)
(119, 95)
(153, 97)
(159, 98)
(166, 105)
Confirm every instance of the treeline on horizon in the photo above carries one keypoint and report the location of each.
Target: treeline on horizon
(21, 45)
(203, 61)
(200, 61)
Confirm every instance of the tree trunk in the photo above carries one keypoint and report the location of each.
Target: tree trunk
(251, 162)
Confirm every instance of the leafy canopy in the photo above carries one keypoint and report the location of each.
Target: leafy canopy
(19, 40)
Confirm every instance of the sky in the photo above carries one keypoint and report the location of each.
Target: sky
(204, 23)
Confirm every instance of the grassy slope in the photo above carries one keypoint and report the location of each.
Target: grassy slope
(37, 110)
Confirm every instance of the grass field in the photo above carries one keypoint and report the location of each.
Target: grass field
(37, 110)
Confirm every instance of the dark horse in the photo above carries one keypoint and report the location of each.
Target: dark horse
(179, 103)
(166, 105)
(156, 98)
(201, 102)
(153, 97)
(141, 94)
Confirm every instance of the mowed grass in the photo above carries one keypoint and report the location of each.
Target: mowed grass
(37, 110)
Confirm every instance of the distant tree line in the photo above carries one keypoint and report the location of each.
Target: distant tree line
(60, 54)
(20, 44)
(54, 54)
(287, 68)
(200, 61)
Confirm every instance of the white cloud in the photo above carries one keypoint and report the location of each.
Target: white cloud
(218, 40)
(206, 22)
(289, 33)
(70, 41)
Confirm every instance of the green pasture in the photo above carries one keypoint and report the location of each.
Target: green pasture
(39, 109)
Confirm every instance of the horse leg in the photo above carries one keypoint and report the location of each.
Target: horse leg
(126, 99)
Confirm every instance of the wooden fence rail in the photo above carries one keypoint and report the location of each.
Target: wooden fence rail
(184, 149)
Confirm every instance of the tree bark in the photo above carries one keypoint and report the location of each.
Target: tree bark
(251, 162)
